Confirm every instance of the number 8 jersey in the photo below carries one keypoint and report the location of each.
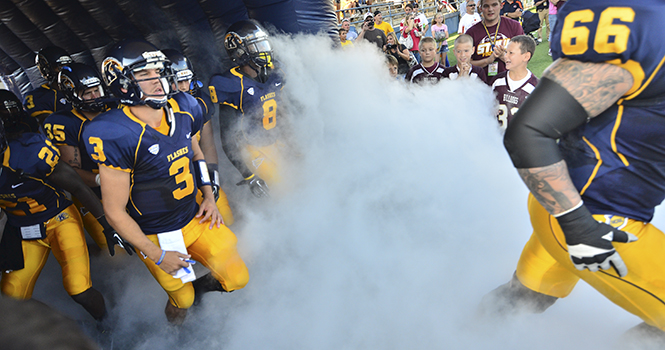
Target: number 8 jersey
(616, 177)
(162, 188)
(257, 102)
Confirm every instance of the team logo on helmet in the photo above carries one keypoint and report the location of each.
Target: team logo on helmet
(232, 41)
(62, 60)
(67, 82)
(111, 67)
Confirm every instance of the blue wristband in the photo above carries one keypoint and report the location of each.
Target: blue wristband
(161, 258)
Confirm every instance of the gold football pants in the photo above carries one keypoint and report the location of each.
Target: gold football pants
(222, 205)
(64, 237)
(545, 265)
(215, 249)
(265, 161)
(92, 226)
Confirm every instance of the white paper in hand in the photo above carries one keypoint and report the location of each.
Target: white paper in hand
(174, 241)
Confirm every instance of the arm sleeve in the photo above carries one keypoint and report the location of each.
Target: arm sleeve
(227, 115)
(549, 113)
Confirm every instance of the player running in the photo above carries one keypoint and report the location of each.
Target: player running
(595, 189)
(250, 110)
(83, 89)
(47, 98)
(185, 78)
(151, 166)
(40, 218)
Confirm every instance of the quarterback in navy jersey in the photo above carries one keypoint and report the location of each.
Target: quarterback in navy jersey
(40, 218)
(250, 110)
(47, 98)
(187, 83)
(151, 166)
(594, 192)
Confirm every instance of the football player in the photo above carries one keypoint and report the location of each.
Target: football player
(83, 89)
(39, 216)
(513, 86)
(151, 166)
(47, 99)
(250, 110)
(594, 191)
(184, 75)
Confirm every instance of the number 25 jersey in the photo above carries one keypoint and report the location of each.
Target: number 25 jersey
(617, 159)
(162, 188)
(25, 195)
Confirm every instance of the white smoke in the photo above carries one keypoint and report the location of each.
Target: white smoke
(402, 212)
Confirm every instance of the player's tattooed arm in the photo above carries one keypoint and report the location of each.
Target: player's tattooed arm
(72, 156)
(552, 187)
(596, 86)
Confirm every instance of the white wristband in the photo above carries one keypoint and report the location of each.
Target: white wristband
(98, 180)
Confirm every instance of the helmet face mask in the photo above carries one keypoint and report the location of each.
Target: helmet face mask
(74, 80)
(247, 43)
(131, 58)
(50, 61)
(182, 68)
(11, 110)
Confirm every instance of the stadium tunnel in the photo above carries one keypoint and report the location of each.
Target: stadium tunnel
(86, 29)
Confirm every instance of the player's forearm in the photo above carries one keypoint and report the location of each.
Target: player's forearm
(65, 177)
(207, 144)
(552, 187)
(233, 154)
(130, 231)
(89, 178)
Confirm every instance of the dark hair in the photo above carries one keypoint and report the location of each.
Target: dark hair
(527, 44)
(377, 12)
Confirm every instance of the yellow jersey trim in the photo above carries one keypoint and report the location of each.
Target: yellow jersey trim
(655, 71)
(613, 141)
(236, 71)
(595, 169)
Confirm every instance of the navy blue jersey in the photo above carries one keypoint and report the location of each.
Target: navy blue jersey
(258, 102)
(206, 104)
(66, 129)
(163, 189)
(617, 160)
(25, 195)
(45, 100)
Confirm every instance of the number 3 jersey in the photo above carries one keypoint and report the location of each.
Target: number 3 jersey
(257, 102)
(25, 195)
(162, 187)
(617, 159)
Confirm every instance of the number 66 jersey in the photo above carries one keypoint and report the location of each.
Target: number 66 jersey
(162, 188)
(617, 159)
